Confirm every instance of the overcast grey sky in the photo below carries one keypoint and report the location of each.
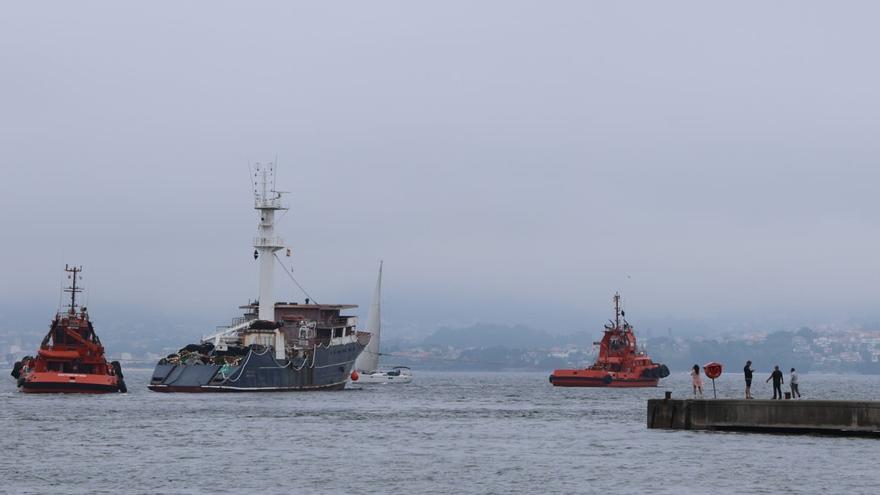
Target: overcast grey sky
(510, 161)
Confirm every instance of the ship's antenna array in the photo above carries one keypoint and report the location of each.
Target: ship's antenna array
(263, 180)
(617, 309)
(73, 274)
(267, 200)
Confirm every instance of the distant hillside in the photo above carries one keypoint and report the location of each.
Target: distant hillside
(777, 348)
(130, 329)
(496, 336)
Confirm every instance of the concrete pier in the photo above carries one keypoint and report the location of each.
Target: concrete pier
(780, 416)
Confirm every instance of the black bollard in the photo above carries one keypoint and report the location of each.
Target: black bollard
(668, 395)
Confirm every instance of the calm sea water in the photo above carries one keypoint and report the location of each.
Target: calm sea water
(444, 433)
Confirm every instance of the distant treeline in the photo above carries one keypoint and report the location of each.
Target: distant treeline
(489, 347)
(777, 349)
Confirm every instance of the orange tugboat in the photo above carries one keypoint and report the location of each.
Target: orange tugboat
(620, 364)
(71, 358)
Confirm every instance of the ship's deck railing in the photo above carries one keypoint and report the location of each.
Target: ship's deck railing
(268, 242)
(309, 343)
(274, 204)
(238, 323)
(335, 322)
(328, 323)
(61, 347)
(316, 341)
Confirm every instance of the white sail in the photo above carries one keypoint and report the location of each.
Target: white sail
(368, 361)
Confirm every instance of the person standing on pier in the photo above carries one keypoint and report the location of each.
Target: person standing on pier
(776, 376)
(793, 383)
(747, 371)
(697, 380)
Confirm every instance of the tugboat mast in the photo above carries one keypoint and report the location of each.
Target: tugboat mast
(266, 200)
(616, 310)
(73, 289)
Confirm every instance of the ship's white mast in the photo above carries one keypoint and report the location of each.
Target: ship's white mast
(267, 201)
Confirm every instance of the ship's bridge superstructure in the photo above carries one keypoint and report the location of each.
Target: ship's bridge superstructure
(307, 325)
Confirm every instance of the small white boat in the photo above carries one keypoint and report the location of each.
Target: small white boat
(397, 374)
(367, 364)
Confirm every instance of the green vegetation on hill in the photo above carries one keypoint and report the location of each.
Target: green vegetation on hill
(777, 348)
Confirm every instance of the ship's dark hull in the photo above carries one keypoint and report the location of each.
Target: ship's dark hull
(634, 377)
(68, 388)
(328, 369)
(598, 381)
(203, 389)
(53, 382)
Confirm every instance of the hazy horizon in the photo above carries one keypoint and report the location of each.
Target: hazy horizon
(511, 162)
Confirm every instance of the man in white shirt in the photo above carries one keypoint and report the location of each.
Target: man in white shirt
(793, 382)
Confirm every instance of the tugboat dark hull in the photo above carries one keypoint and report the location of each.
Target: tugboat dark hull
(565, 378)
(68, 383)
(327, 369)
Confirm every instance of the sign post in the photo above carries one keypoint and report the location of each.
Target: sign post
(713, 371)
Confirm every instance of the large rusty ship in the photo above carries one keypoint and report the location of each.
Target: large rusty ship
(283, 346)
(621, 363)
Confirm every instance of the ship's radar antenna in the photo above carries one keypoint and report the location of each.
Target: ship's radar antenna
(267, 200)
(73, 274)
